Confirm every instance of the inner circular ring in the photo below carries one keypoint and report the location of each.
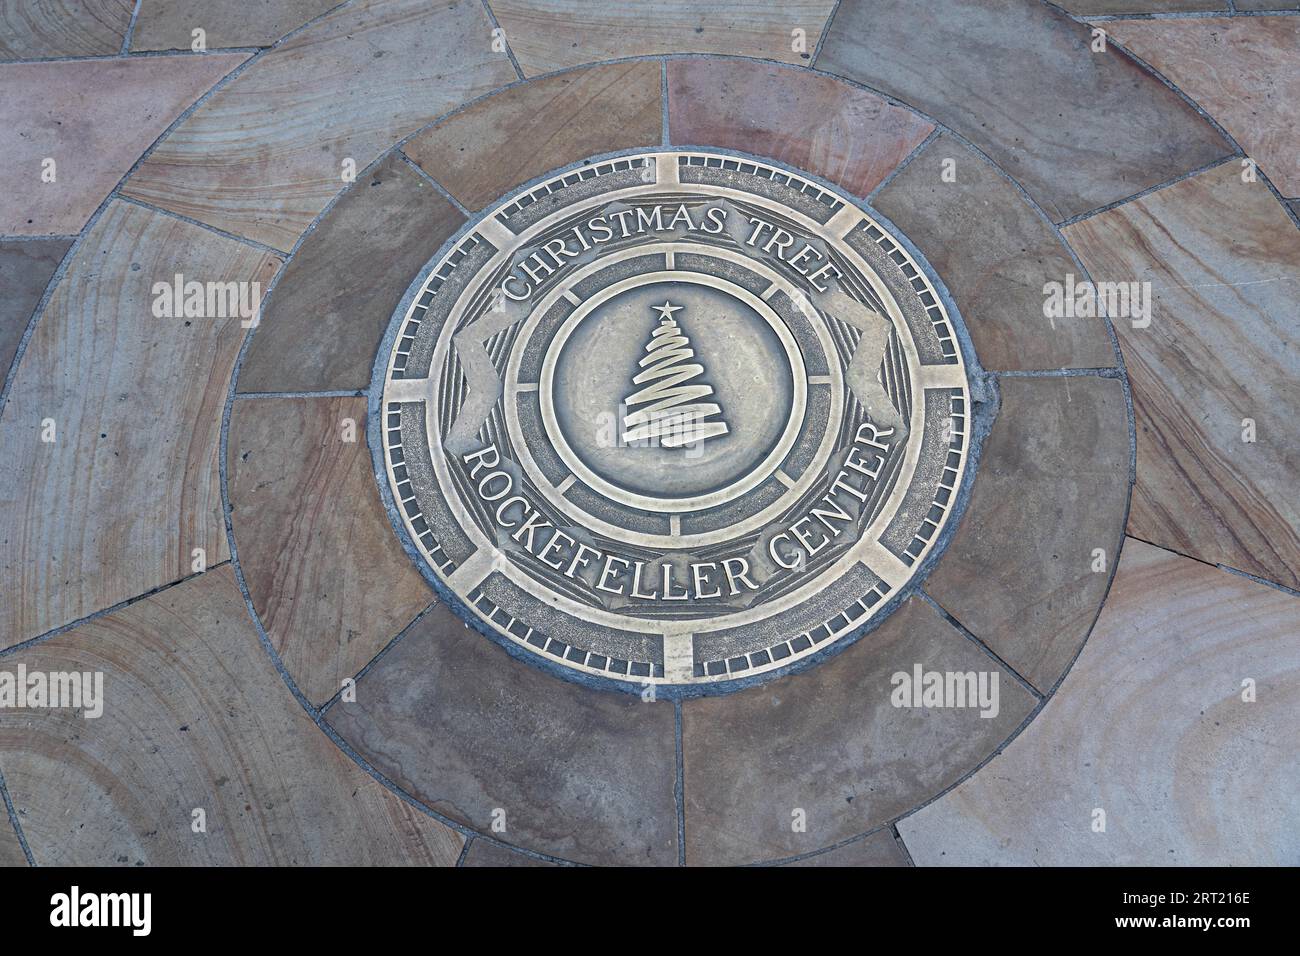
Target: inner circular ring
(752, 478)
(514, 386)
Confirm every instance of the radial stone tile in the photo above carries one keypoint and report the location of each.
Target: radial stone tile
(1022, 571)
(1151, 728)
(194, 718)
(169, 24)
(326, 574)
(1242, 71)
(827, 127)
(828, 749)
(547, 35)
(1218, 365)
(25, 271)
(576, 773)
(878, 849)
(264, 155)
(44, 28)
(124, 486)
(996, 255)
(322, 324)
(1078, 129)
(482, 853)
(93, 119)
(516, 135)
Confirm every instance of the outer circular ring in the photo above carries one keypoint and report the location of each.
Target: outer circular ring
(677, 660)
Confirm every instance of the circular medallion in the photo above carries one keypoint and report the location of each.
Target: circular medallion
(672, 418)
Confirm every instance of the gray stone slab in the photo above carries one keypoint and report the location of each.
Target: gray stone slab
(1078, 129)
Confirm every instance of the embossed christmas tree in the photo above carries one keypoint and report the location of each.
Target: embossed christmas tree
(668, 411)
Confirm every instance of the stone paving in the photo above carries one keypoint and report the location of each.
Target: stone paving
(189, 507)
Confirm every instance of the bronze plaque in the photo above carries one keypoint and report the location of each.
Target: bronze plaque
(673, 418)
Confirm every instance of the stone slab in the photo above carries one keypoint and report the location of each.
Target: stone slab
(575, 773)
(170, 24)
(1011, 76)
(548, 35)
(996, 254)
(829, 744)
(46, 28)
(195, 717)
(322, 324)
(1240, 70)
(1051, 489)
(25, 271)
(267, 153)
(94, 119)
(1149, 727)
(324, 569)
(475, 154)
(117, 502)
(1221, 258)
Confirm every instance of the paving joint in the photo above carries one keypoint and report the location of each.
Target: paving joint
(356, 678)
(504, 39)
(105, 612)
(323, 393)
(974, 639)
(898, 839)
(665, 137)
(12, 813)
(916, 151)
(826, 29)
(438, 187)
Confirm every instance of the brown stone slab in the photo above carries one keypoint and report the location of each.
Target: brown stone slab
(263, 156)
(25, 271)
(1222, 258)
(579, 774)
(323, 322)
(829, 742)
(322, 564)
(1052, 487)
(1090, 8)
(45, 28)
(1078, 129)
(811, 122)
(996, 254)
(117, 503)
(94, 118)
(878, 849)
(194, 716)
(547, 35)
(503, 141)
(482, 853)
(1242, 71)
(1151, 728)
(170, 24)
